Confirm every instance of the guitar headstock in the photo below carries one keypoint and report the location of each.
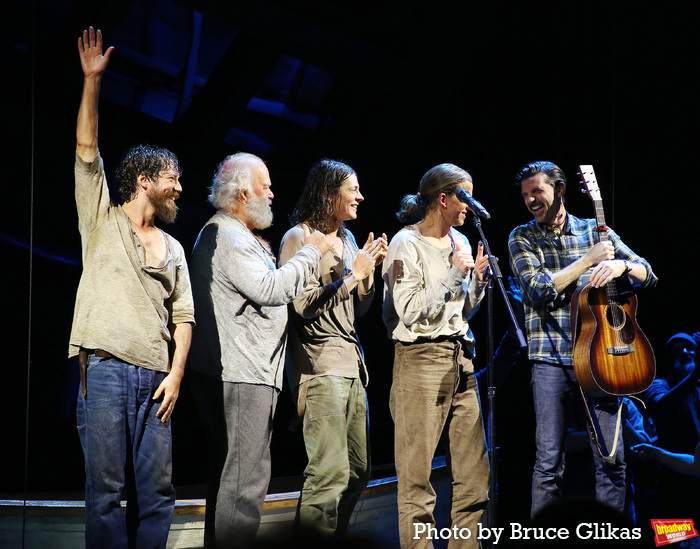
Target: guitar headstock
(589, 181)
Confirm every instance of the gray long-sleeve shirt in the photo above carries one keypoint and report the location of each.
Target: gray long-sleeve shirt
(241, 301)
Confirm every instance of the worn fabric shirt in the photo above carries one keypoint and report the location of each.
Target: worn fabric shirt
(425, 296)
(115, 309)
(241, 299)
(323, 340)
(536, 253)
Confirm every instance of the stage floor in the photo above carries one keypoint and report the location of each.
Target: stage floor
(59, 523)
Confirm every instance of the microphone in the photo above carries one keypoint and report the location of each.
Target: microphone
(474, 206)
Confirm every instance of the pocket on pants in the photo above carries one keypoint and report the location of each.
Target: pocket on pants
(104, 408)
(326, 396)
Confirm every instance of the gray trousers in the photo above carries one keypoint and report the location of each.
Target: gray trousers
(238, 421)
(434, 397)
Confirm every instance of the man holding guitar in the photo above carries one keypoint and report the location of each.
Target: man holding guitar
(551, 256)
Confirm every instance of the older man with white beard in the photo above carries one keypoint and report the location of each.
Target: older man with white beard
(237, 359)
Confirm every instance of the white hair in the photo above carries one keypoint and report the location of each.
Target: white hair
(233, 176)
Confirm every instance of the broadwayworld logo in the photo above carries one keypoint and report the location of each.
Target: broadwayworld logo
(672, 531)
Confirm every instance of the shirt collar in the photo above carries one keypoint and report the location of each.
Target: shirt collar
(573, 226)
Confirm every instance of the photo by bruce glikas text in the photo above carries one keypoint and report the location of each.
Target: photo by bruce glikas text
(516, 531)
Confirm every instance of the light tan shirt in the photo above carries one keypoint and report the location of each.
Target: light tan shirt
(117, 311)
(425, 296)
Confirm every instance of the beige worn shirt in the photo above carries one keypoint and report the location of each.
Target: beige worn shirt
(425, 296)
(322, 338)
(116, 310)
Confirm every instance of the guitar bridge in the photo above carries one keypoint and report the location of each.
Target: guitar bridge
(618, 350)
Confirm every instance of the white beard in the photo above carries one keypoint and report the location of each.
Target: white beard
(259, 212)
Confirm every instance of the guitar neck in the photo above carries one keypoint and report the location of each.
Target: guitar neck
(601, 225)
(602, 228)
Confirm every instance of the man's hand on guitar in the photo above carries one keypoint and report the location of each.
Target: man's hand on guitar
(606, 271)
(602, 251)
(596, 258)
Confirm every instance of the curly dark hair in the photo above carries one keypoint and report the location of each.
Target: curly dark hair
(443, 178)
(315, 205)
(142, 160)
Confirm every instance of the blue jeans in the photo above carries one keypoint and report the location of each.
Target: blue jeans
(556, 393)
(125, 444)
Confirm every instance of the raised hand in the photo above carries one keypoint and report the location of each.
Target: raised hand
(364, 264)
(90, 50)
(316, 238)
(94, 64)
(462, 259)
(481, 263)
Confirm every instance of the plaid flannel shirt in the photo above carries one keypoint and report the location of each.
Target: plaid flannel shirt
(536, 252)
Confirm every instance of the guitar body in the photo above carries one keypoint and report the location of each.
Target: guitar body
(612, 356)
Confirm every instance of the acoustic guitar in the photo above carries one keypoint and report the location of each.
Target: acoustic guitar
(612, 356)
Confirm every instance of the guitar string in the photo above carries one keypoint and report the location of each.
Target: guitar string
(611, 288)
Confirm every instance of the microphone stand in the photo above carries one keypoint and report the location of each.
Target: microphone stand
(493, 272)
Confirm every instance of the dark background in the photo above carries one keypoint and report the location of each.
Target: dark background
(392, 88)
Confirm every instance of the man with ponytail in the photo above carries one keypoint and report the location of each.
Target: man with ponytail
(432, 287)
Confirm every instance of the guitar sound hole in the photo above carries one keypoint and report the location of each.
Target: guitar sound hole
(615, 316)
